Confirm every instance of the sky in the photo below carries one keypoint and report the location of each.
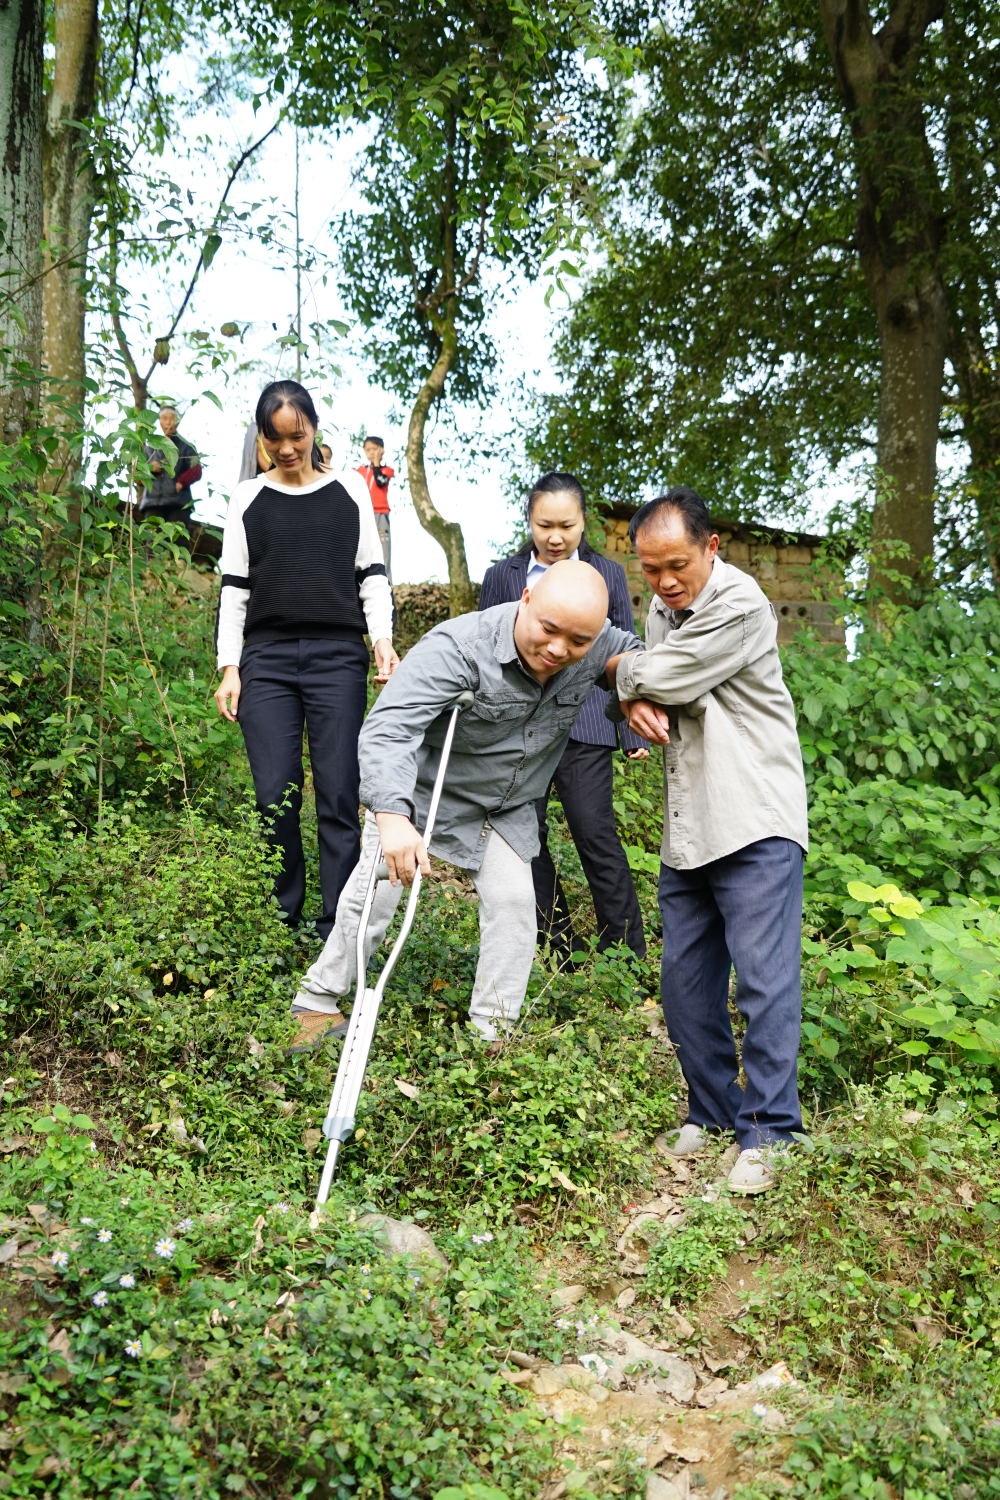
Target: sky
(253, 285)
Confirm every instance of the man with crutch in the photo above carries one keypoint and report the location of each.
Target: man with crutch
(529, 666)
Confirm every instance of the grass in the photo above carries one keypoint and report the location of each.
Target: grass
(146, 983)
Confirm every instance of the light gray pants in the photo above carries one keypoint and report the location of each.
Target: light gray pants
(382, 525)
(507, 934)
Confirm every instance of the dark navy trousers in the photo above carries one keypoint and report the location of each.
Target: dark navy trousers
(743, 911)
(322, 685)
(584, 782)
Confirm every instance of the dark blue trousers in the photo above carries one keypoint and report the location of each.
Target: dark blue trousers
(322, 685)
(743, 911)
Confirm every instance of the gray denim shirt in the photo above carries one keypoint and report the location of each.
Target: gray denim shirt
(507, 745)
(732, 773)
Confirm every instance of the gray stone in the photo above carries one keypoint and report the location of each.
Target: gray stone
(658, 1488)
(403, 1239)
(671, 1375)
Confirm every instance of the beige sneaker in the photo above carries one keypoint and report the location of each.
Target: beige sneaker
(756, 1170)
(315, 1027)
(690, 1141)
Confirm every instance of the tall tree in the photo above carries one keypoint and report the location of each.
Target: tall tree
(21, 33)
(69, 202)
(807, 260)
(470, 165)
(883, 81)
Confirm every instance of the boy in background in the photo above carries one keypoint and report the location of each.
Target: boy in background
(377, 475)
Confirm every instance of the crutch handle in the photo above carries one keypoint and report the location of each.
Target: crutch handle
(464, 700)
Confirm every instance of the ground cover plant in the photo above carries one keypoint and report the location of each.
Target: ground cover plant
(174, 1321)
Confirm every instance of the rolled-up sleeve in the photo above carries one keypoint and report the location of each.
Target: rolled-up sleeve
(432, 676)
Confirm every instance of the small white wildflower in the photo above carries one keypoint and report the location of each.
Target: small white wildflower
(60, 1259)
(282, 1208)
(86, 1221)
(125, 1203)
(366, 1269)
(414, 1282)
(100, 1299)
(706, 1197)
(185, 1225)
(478, 1172)
(165, 1248)
(366, 1294)
(760, 1410)
(562, 1323)
(91, 1146)
(133, 1348)
(127, 1281)
(104, 1236)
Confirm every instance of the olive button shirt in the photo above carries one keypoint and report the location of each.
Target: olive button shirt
(732, 773)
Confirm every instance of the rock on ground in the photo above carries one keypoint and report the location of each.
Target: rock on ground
(403, 1239)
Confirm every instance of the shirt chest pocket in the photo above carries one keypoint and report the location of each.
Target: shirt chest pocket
(490, 721)
(569, 701)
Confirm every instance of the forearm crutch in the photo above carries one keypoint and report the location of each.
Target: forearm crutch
(338, 1126)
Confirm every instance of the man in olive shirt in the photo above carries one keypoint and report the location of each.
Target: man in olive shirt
(709, 689)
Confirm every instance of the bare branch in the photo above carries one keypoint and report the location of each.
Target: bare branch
(244, 158)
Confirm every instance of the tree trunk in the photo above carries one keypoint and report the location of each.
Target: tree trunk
(899, 234)
(69, 202)
(22, 29)
(913, 331)
(448, 534)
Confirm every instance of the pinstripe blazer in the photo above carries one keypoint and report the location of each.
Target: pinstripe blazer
(505, 582)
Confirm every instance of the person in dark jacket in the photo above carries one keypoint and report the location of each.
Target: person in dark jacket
(556, 513)
(169, 496)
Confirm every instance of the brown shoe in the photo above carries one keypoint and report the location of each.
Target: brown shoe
(315, 1027)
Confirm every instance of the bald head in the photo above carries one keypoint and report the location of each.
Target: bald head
(560, 618)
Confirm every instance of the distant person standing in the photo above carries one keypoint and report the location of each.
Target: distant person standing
(327, 453)
(254, 459)
(556, 513)
(169, 496)
(377, 475)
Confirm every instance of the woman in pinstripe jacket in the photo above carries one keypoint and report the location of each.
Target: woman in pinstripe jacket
(556, 513)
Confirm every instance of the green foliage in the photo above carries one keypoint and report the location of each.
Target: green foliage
(473, 161)
(683, 1264)
(930, 838)
(894, 983)
(67, 1153)
(281, 1355)
(728, 342)
(934, 1436)
(164, 949)
(919, 701)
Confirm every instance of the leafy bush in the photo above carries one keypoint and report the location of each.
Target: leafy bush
(896, 982)
(927, 837)
(920, 699)
(209, 1352)
(933, 1435)
(683, 1264)
(891, 1218)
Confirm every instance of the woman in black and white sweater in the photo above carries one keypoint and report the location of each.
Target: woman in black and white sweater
(303, 581)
